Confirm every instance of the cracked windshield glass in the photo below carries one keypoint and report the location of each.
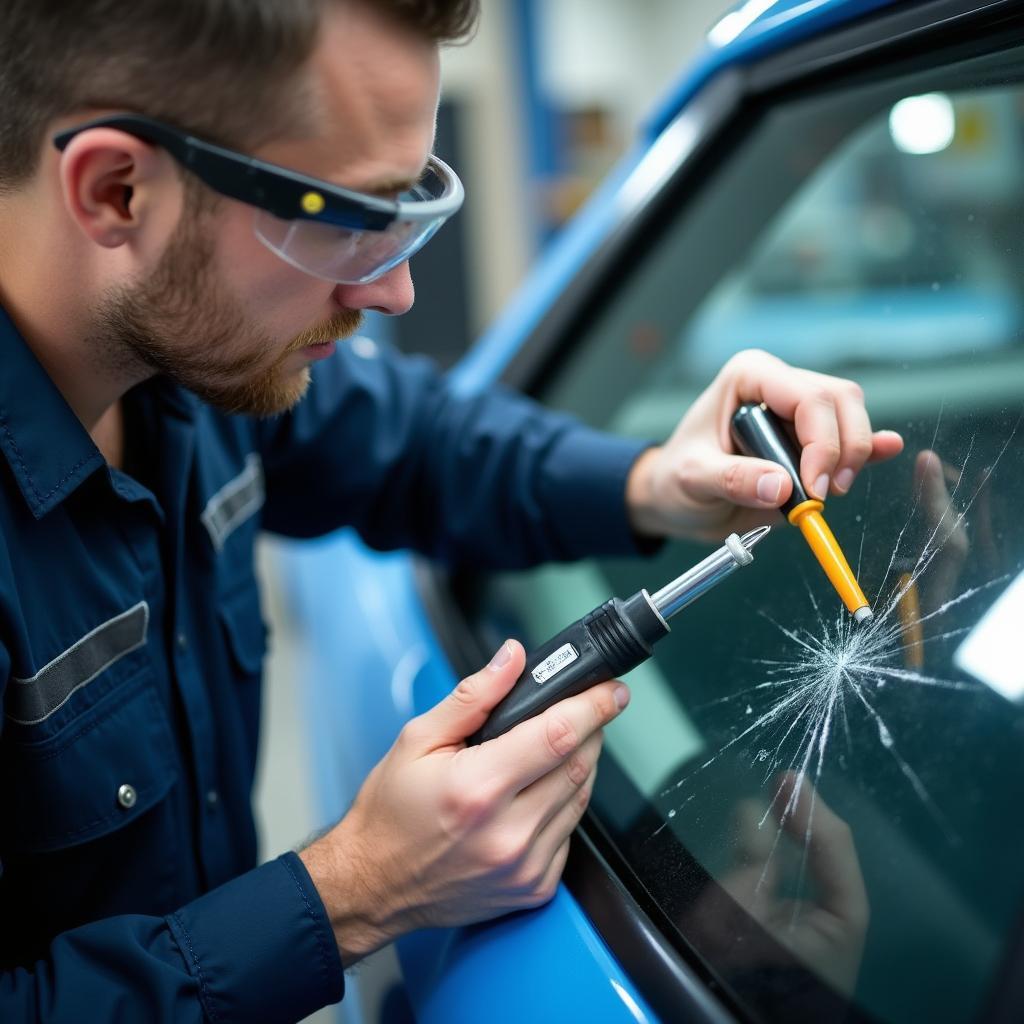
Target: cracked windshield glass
(830, 813)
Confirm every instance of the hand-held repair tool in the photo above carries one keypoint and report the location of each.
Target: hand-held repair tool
(612, 639)
(758, 432)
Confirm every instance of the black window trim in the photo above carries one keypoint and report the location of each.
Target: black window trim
(671, 979)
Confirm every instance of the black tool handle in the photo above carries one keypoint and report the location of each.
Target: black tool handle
(758, 432)
(605, 643)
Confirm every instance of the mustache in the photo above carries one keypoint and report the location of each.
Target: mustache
(341, 325)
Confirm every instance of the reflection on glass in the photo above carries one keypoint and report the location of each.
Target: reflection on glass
(991, 651)
(828, 814)
(825, 930)
(923, 124)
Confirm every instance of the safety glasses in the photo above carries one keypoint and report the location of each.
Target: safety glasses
(331, 232)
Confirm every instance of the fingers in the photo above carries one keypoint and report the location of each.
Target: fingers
(740, 480)
(831, 854)
(555, 835)
(697, 485)
(546, 888)
(535, 747)
(930, 479)
(554, 804)
(835, 430)
(885, 444)
(934, 478)
(947, 528)
(828, 413)
(466, 708)
(542, 801)
(757, 483)
(556, 867)
(549, 811)
(817, 429)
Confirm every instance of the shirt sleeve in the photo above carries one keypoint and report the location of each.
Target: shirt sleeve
(381, 442)
(257, 949)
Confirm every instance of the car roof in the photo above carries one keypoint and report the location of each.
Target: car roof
(751, 30)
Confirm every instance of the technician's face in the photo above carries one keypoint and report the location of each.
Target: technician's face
(224, 316)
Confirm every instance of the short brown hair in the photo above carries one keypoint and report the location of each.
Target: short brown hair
(216, 67)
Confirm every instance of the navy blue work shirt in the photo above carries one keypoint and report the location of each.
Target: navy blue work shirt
(131, 644)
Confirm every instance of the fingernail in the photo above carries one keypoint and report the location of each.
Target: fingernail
(621, 696)
(844, 480)
(769, 487)
(821, 487)
(501, 658)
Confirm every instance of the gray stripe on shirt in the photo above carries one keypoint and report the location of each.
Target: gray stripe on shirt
(235, 502)
(31, 700)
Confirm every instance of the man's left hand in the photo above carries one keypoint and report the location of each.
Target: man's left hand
(695, 485)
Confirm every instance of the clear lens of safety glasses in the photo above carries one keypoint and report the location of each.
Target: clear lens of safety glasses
(342, 255)
(347, 255)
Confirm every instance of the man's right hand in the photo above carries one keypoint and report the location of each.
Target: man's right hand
(442, 834)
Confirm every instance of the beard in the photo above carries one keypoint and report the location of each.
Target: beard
(182, 323)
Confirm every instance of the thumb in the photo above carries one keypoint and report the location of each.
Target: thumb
(466, 708)
(740, 480)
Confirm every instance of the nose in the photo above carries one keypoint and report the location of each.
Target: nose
(392, 294)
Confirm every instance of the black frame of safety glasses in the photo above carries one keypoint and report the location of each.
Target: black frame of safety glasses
(284, 193)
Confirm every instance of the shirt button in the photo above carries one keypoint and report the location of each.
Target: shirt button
(212, 798)
(182, 641)
(126, 796)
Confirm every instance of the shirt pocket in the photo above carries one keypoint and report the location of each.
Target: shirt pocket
(245, 632)
(103, 768)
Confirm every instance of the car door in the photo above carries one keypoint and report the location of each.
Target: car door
(793, 821)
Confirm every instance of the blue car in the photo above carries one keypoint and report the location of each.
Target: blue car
(788, 825)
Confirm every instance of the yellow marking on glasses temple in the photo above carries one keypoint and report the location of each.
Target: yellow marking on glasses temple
(312, 202)
(807, 516)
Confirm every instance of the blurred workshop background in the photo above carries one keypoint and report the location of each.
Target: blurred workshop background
(535, 110)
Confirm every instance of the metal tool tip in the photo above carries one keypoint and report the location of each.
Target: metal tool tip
(862, 615)
(752, 537)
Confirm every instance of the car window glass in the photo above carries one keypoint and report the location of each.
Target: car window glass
(821, 813)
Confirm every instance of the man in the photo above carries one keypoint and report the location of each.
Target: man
(166, 307)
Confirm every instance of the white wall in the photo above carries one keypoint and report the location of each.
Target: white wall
(623, 55)
(620, 55)
(482, 76)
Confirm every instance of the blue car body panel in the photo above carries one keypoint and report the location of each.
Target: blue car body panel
(373, 660)
(548, 964)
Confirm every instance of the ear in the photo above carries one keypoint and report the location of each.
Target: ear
(113, 183)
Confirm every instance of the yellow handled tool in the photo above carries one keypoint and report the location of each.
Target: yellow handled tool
(758, 432)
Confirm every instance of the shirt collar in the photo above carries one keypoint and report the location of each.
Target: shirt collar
(49, 450)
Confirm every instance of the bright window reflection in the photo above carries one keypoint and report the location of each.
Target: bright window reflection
(923, 124)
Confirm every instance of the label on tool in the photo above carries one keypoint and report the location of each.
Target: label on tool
(555, 662)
